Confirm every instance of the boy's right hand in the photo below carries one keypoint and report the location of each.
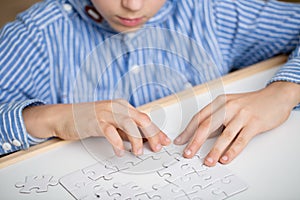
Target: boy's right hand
(116, 120)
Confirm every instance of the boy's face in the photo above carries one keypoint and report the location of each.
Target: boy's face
(127, 15)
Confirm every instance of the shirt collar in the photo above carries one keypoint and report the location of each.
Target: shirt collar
(80, 6)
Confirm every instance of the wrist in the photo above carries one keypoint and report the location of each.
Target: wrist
(288, 91)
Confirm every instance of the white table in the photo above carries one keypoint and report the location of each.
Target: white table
(270, 163)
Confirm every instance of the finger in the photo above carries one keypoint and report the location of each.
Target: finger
(208, 126)
(224, 141)
(156, 142)
(198, 118)
(113, 138)
(118, 152)
(238, 145)
(121, 118)
(133, 134)
(187, 133)
(164, 139)
(143, 121)
(153, 134)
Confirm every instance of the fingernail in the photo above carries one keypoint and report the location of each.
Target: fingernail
(120, 152)
(187, 152)
(140, 151)
(210, 160)
(158, 147)
(178, 139)
(168, 140)
(225, 158)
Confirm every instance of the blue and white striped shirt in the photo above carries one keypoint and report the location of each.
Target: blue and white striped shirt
(56, 53)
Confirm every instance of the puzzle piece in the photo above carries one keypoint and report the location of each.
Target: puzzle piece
(192, 183)
(158, 197)
(153, 162)
(99, 195)
(40, 183)
(89, 190)
(195, 162)
(70, 181)
(122, 163)
(175, 171)
(173, 149)
(220, 189)
(169, 191)
(143, 196)
(229, 185)
(211, 175)
(80, 186)
(98, 171)
(204, 194)
(182, 167)
(151, 155)
(189, 183)
(125, 191)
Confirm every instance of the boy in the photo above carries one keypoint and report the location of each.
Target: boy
(43, 50)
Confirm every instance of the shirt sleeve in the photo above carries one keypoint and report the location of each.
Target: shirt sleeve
(23, 81)
(290, 71)
(251, 31)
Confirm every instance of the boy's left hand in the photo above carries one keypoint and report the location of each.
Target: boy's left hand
(243, 116)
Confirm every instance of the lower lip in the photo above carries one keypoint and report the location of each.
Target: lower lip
(130, 22)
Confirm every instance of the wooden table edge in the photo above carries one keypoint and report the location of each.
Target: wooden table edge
(200, 89)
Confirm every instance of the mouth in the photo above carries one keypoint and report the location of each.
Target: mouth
(130, 22)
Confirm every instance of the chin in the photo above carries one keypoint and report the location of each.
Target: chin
(126, 29)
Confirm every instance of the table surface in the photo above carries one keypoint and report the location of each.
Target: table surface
(269, 164)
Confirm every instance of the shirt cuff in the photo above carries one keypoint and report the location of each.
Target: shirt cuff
(13, 132)
(289, 72)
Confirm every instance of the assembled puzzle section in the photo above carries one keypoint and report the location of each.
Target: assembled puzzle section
(37, 183)
(175, 178)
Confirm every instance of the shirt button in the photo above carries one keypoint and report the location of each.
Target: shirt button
(17, 143)
(135, 69)
(67, 7)
(6, 146)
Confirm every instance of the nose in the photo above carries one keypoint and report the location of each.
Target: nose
(133, 5)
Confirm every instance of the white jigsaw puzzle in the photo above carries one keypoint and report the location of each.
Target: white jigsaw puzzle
(125, 191)
(38, 183)
(221, 189)
(99, 170)
(127, 161)
(177, 178)
(169, 191)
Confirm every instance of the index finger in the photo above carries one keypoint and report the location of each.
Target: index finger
(199, 118)
(208, 126)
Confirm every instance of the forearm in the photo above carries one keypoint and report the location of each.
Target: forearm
(45, 121)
